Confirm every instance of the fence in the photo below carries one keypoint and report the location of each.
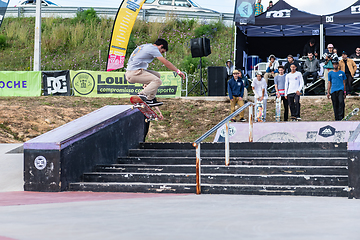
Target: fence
(144, 14)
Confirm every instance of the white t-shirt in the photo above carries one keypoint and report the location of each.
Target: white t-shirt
(142, 56)
(293, 82)
(258, 87)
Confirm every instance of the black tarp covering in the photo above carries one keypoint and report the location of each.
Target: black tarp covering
(347, 16)
(284, 14)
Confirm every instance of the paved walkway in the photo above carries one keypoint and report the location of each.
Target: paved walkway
(85, 215)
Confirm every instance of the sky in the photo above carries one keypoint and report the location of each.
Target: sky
(321, 7)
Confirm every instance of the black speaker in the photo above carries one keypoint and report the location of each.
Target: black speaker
(200, 47)
(217, 81)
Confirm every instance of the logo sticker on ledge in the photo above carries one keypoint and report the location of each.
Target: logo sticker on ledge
(40, 162)
(327, 131)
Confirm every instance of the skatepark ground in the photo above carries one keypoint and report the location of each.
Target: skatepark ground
(86, 215)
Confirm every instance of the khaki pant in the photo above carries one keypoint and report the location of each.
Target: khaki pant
(151, 78)
(267, 75)
(233, 105)
(245, 98)
(326, 78)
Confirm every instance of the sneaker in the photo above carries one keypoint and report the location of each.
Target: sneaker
(298, 118)
(143, 97)
(153, 103)
(232, 120)
(242, 120)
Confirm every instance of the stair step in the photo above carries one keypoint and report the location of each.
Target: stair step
(329, 191)
(233, 169)
(236, 153)
(317, 180)
(296, 161)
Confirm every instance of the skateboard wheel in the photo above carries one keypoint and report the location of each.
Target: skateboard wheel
(156, 119)
(132, 107)
(142, 106)
(147, 120)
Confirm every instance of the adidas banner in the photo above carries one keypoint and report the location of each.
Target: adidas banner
(56, 83)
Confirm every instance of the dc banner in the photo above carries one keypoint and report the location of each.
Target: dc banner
(56, 83)
(20, 83)
(244, 12)
(3, 6)
(113, 84)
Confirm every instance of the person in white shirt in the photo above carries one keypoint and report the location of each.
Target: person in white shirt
(294, 84)
(259, 88)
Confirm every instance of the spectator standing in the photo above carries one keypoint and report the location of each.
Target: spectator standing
(337, 82)
(328, 57)
(356, 55)
(293, 85)
(270, 5)
(258, 8)
(290, 61)
(236, 93)
(311, 67)
(311, 47)
(259, 88)
(279, 82)
(229, 69)
(271, 68)
(348, 66)
(246, 85)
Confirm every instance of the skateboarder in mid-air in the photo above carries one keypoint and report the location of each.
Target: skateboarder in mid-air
(137, 71)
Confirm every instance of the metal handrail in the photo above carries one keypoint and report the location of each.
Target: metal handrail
(225, 122)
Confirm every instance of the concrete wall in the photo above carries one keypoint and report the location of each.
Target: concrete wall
(61, 156)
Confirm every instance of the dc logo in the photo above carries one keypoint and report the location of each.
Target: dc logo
(40, 162)
(285, 13)
(355, 9)
(245, 9)
(232, 131)
(329, 19)
(56, 85)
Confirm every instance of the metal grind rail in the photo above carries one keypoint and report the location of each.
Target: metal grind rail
(225, 122)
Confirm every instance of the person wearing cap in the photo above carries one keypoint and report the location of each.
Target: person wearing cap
(337, 82)
(236, 93)
(293, 85)
(328, 58)
(356, 55)
(270, 5)
(271, 68)
(259, 88)
(229, 68)
(348, 66)
(291, 60)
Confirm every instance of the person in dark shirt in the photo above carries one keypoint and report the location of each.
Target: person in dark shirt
(356, 55)
(291, 61)
(311, 47)
(236, 93)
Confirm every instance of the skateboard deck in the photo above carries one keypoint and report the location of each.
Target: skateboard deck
(259, 108)
(144, 108)
(277, 109)
(354, 112)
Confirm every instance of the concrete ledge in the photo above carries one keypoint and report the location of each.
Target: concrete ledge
(61, 156)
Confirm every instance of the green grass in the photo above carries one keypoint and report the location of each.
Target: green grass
(75, 44)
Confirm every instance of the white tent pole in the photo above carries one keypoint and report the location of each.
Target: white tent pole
(234, 61)
(322, 40)
(37, 40)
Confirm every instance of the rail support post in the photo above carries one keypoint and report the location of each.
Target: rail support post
(251, 124)
(198, 169)
(227, 145)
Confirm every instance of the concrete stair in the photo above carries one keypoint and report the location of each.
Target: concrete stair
(311, 169)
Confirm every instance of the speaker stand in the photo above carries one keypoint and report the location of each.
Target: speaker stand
(203, 88)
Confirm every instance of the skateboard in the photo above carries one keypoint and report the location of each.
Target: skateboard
(354, 112)
(144, 108)
(278, 109)
(259, 108)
